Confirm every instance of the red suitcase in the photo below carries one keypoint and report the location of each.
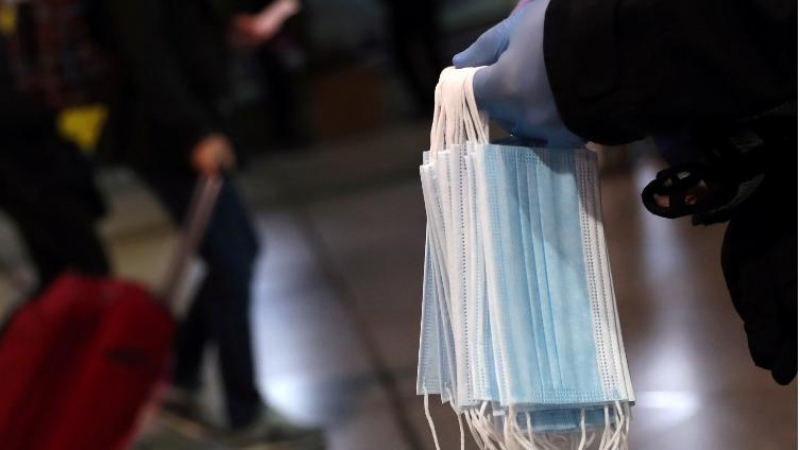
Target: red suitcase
(78, 364)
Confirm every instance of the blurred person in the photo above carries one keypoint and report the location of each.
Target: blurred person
(47, 185)
(415, 40)
(168, 121)
(715, 82)
(261, 30)
(257, 22)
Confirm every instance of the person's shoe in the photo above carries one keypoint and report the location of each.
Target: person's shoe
(183, 404)
(272, 431)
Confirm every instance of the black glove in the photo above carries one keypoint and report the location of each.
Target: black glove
(763, 287)
(759, 260)
(745, 173)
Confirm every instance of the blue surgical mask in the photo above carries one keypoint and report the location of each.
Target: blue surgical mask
(437, 290)
(552, 308)
(536, 275)
(479, 337)
(429, 369)
(530, 349)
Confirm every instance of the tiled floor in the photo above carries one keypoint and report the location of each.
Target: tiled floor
(337, 299)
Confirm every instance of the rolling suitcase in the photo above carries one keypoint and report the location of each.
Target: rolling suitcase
(78, 364)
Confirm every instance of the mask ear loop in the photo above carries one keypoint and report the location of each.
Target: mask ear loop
(507, 429)
(619, 419)
(453, 83)
(606, 430)
(614, 429)
(527, 442)
(444, 126)
(488, 429)
(492, 434)
(516, 431)
(460, 425)
(469, 125)
(496, 433)
(472, 424)
(430, 420)
(463, 132)
(627, 423)
(437, 127)
(582, 443)
(449, 96)
(480, 121)
(529, 424)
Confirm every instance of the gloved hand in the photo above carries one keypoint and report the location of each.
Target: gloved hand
(764, 292)
(514, 89)
(520, 4)
(759, 261)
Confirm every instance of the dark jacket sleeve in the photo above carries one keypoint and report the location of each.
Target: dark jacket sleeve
(621, 69)
(150, 60)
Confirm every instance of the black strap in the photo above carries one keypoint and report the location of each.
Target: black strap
(731, 164)
(676, 183)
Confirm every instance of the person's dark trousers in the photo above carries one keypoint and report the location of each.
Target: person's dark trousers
(47, 188)
(415, 43)
(281, 105)
(219, 315)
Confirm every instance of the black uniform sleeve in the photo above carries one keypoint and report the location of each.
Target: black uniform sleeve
(621, 69)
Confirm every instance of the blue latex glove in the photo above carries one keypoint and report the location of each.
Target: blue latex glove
(514, 89)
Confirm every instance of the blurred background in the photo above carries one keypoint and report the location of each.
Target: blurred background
(330, 118)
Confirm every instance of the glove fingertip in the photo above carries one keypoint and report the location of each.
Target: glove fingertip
(462, 59)
(486, 49)
(785, 368)
(784, 376)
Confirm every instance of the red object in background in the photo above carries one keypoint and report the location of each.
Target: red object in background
(78, 364)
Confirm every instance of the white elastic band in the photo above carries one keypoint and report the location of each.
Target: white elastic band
(472, 425)
(456, 117)
(612, 445)
(514, 429)
(606, 429)
(529, 423)
(615, 436)
(582, 443)
(461, 430)
(479, 121)
(620, 426)
(437, 127)
(430, 421)
(506, 430)
(490, 431)
(486, 433)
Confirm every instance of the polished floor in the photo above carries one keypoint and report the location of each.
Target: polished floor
(337, 299)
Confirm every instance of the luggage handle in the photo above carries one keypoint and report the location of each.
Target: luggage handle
(194, 227)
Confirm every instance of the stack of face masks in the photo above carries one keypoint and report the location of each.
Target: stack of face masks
(520, 333)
